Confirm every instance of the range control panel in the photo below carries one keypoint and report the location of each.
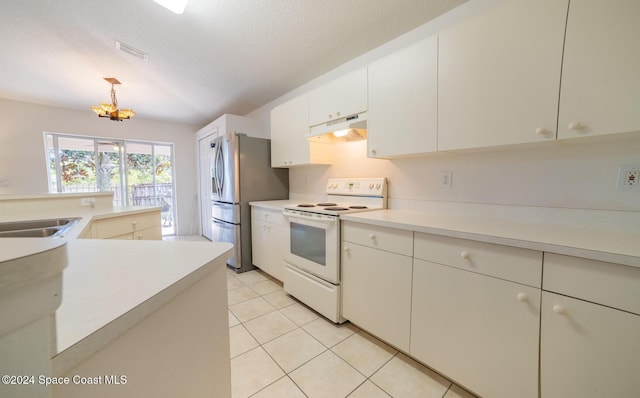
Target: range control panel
(357, 186)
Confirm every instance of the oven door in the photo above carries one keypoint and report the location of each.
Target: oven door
(312, 243)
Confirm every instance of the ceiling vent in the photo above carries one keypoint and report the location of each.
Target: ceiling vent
(132, 50)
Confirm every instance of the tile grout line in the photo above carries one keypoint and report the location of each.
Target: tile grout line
(298, 326)
(326, 348)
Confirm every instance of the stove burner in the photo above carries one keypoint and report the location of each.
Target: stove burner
(336, 208)
(327, 204)
(357, 207)
(306, 205)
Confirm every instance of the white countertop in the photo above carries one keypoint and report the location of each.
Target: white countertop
(274, 204)
(110, 285)
(616, 247)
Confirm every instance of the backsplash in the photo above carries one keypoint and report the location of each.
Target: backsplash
(544, 183)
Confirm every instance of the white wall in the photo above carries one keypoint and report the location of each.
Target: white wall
(22, 157)
(579, 174)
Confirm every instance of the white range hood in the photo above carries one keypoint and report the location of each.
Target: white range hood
(344, 129)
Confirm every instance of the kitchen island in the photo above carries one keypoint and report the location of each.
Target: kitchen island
(143, 318)
(135, 318)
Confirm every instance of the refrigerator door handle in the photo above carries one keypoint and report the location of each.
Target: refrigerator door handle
(220, 167)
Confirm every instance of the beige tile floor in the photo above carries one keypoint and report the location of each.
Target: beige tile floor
(280, 348)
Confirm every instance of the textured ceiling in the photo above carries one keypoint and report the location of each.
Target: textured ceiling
(220, 56)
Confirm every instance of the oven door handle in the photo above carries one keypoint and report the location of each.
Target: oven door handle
(328, 220)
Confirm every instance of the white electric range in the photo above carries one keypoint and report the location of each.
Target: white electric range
(312, 241)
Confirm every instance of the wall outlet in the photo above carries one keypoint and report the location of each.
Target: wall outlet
(446, 179)
(629, 178)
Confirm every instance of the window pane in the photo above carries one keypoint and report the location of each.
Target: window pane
(139, 173)
(77, 164)
(164, 186)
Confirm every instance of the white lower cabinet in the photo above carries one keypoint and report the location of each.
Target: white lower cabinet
(590, 342)
(266, 241)
(476, 314)
(487, 316)
(478, 330)
(588, 350)
(139, 226)
(376, 283)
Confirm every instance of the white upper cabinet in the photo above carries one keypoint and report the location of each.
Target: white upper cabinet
(600, 91)
(402, 113)
(344, 96)
(499, 75)
(289, 125)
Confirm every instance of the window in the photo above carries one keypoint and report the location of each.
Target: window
(139, 173)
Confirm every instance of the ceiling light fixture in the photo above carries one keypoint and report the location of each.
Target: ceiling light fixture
(175, 6)
(111, 110)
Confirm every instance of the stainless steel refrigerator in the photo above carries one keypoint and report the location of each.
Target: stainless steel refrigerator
(240, 173)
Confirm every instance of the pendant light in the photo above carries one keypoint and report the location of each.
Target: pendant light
(111, 110)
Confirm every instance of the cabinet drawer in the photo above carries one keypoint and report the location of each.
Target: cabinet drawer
(154, 233)
(126, 224)
(610, 284)
(505, 262)
(392, 240)
(272, 216)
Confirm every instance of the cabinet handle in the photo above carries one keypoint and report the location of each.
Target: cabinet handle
(337, 114)
(522, 297)
(373, 152)
(575, 126)
(558, 309)
(330, 116)
(372, 236)
(464, 255)
(266, 216)
(347, 249)
(541, 131)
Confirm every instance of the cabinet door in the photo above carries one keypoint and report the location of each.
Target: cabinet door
(479, 330)
(499, 75)
(402, 113)
(288, 128)
(376, 292)
(347, 95)
(289, 125)
(588, 350)
(266, 244)
(600, 79)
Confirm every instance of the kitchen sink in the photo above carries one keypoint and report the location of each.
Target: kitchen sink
(49, 228)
